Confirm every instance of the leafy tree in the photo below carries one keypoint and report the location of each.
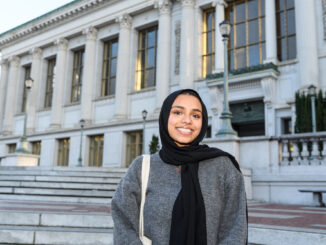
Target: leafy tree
(154, 145)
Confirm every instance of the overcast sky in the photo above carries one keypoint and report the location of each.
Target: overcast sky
(17, 12)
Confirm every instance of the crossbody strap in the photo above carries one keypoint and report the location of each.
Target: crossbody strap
(144, 181)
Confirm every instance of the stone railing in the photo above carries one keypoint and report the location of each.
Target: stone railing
(303, 149)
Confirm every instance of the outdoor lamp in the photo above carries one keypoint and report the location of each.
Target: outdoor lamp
(144, 114)
(225, 28)
(312, 90)
(29, 82)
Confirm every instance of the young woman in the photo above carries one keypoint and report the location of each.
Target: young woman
(195, 193)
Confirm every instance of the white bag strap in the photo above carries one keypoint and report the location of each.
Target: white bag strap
(144, 181)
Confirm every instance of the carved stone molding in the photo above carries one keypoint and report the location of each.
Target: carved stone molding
(177, 33)
(188, 3)
(125, 21)
(165, 7)
(14, 61)
(268, 86)
(91, 33)
(36, 52)
(219, 2)
(4, 63)
(324, 17)
(62, 43)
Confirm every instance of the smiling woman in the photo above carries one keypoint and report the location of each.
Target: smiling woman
(204, 203)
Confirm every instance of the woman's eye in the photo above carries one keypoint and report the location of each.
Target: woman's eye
(177, 113)
(196, 116)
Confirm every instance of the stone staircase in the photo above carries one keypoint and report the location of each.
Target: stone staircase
(57, 205)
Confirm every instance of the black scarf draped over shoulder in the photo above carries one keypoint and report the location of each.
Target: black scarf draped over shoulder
(188, 226)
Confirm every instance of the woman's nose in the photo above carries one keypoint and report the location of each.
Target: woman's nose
(186, 119)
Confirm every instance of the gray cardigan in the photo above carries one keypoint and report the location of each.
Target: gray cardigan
(222, 188)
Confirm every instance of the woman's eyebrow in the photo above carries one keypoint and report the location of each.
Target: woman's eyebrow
(181, 107)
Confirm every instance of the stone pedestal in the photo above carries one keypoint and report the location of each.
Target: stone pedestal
(20, 159)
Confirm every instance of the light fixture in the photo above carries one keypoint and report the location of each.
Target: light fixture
(29, 82)
(225, 28)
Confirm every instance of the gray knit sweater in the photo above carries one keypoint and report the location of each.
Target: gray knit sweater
(223, 191)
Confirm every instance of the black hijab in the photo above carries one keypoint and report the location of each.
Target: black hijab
(188, 226)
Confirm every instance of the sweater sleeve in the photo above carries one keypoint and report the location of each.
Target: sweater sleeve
(233, 224)
(125, 206)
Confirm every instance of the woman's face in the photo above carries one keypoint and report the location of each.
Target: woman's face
(185, 120)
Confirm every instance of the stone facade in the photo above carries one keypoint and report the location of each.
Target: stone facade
(88, 24)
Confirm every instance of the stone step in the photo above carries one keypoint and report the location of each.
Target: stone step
(66, 199)
(70, 179)
(57, 192)
(54, 235)
(62, 173)
(102, 221)
(63, 185)
(65, 169)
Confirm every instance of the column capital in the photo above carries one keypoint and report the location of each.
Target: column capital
(219, 2)
(90, 32)
(4, 62)
(188, 3)
(14, 60)
(36, 52)
(164, 7)
(62, 43)
(125, 21)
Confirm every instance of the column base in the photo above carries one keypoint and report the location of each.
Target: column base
(54, 126)
(118, 117)
(6, 133)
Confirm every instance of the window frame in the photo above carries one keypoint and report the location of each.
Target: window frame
(205, 33)
(77, 75)
(63, 152)
(50, 74)
(138, 145)
(142, 67)
(233, 49)
(107, 73)
(96, 145)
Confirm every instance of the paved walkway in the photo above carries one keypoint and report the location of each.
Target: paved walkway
(268, 223)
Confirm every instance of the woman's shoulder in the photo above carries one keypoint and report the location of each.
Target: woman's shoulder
(222, 164)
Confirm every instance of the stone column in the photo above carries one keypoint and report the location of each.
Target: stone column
(187, 44)
(33, 97)
(123, 68)
(270, 30)
(163, 54)
(3, 82)
(11, 96)
(58, 84)
(305, 18)
(89, 75)
(219, 46)
(268, 86)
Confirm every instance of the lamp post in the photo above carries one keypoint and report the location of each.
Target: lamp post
(144, 114)
(226, 129)
(81, 124)
(312, 93)
(22, 145)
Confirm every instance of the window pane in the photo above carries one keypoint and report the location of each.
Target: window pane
(253, 9)
(289, 4)
(254, 58)
(151, 78)
(264, 51)
(262, 11)
(292, 46)
(112, 86)
(209, 43)
(241, 34)
(151, 57)
(231, 59)
(114, 49)
(290, 22)
(240, 12)
(279, 4)
(263, 38)
(151, 39)
(241, 58)
(210, 21)
(253, 31)
(113, 67)
(282, 26)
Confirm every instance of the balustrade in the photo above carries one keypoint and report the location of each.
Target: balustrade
(303, 149)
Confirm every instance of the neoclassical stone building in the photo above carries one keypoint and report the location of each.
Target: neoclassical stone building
(105, 61)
